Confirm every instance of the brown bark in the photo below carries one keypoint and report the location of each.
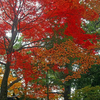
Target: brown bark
(67, 92)
(3, 94)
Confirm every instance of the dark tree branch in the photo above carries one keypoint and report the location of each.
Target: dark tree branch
(97, 23)
(7, 39)
(19, 8)
(55, 93)
(11, 6)
(21, 19)
(24, 46)
(5, 11)
(2, 63)
(6, 21)
(21, 4)
(28, 47)
(11, 84)
(24, 28)
(5, 44)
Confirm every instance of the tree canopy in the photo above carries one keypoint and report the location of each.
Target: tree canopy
(33, 25)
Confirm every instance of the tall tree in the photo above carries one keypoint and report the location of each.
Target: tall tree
(17, 17)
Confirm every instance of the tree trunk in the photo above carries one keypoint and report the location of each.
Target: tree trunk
(47, 92)
(47, 85)
(3, 94)
(67, 92)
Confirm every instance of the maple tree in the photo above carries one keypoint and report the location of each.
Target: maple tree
(17, 16)
(35, 20)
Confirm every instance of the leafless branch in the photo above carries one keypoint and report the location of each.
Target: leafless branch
(5, 44)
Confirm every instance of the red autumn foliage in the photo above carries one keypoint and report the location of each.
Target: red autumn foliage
(59, 69)
(34, 23)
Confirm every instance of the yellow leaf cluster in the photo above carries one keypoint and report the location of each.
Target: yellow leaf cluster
(15, 87)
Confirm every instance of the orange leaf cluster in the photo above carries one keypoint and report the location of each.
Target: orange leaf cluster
(94, 4)
(70, 53)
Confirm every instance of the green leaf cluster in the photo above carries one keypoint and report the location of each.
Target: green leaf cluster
(92, 27)
(87, 93)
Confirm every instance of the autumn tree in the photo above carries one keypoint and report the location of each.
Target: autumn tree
(17, 17)
(68, 59)
(34, 20)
